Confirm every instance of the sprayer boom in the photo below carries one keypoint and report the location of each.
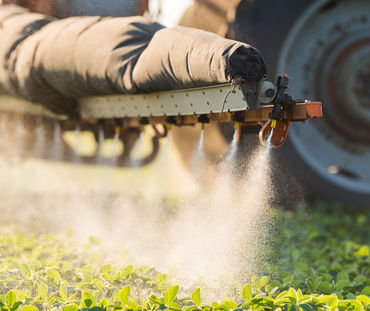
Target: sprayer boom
(244, 103)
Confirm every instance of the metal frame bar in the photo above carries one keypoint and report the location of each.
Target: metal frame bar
(298, 113)
(173, 103)
(185, 106)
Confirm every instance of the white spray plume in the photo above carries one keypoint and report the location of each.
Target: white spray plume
(159, 214)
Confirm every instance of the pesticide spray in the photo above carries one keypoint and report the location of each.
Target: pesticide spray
(159, 214)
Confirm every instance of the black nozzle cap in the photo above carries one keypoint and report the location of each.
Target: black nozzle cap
(275, 115)
(238, 116)
(204, 119)
(171, 120)
(283, 81)
(100, 122)
(144, 121)
(118, 122)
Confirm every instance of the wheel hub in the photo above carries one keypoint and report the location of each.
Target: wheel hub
(327, 54)
(344, 85)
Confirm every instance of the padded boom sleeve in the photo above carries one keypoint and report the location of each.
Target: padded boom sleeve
(53, 62)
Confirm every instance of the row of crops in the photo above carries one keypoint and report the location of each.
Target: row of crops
(320, 261)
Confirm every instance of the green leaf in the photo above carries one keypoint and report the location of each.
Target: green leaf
(104, 303)
(343, 275)
(355, 305)
(330, 301)
(325, 287)
(15, 306)
(310, 285)
(364, 300)
(42, 291)
(175, 307)
(29, 308)
(343, 304)
(11, 298)
(282, 296)
(307, 307)
(97, 284)
(293, 294)
(65, 267)
(247, 292)
(63, 292)
(195, 297)
(123, 295)
(214, 305)
(290, 307)
(299, 294)
(161, 281)
(88, 300)
(119, 307)
(363, 251)
(366, 291)
(341, 284)
(263, 282)
(88, 276)
(25, 271)
(106, 269)
(128, 270)
(71, 307)
(52, 276)
(87, 303)
(317, 282)
(19, 294)
(228, 304)
(171, 294)
(155, 300)
(133, 305)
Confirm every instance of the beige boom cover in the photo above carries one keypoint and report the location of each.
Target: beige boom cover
(53, 62)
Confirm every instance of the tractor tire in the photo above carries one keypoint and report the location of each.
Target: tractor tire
(324, 46)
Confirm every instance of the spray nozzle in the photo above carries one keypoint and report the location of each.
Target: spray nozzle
(282, 100)
(171, 120)
(144, 121)
(117, 129)
(117, 125)
(203, 120)
(100, 124)
(276, 129)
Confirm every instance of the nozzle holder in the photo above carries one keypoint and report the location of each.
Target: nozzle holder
(203, 119)
(238, 117)
(282, 100)
(144, 121)
(118, 122)
(100, 123)
(171, 120)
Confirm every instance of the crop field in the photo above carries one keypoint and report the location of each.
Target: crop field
(319, 260)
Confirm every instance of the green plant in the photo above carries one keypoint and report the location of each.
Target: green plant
(320, 262)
